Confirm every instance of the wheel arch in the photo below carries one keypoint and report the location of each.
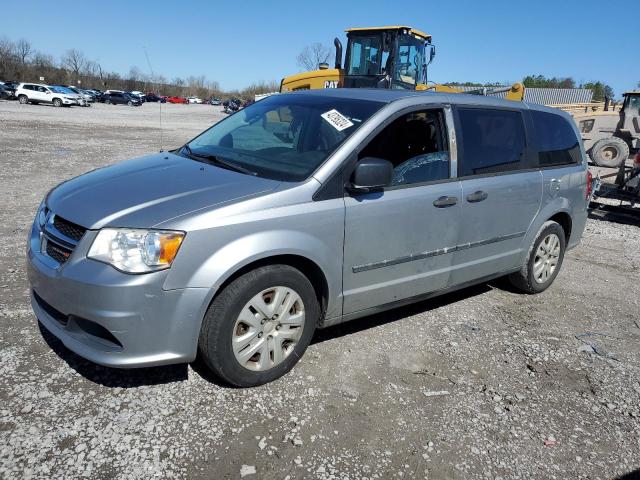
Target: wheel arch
(306, 266)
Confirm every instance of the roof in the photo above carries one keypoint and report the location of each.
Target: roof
(415, 31)
(632, 92)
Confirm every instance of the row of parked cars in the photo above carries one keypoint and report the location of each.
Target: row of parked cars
(68, 95)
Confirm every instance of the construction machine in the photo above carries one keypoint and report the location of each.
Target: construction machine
(394, 57)
(609, 136)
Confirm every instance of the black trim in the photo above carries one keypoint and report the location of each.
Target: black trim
(433, 253)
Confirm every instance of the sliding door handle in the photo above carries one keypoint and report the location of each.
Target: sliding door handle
(477, 196)
(445, 201)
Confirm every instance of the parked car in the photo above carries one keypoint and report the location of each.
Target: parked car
(232, 105)
(152, 97)
(88, 98)
(177, 100)
(112, 97)
(215, 101)
(138, 94)
(306, 210)
(5, 94)
(194, 100)
(37, 93)
(9, 90)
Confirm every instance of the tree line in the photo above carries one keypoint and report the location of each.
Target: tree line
(21, 62)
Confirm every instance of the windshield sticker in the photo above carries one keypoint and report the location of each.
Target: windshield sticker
(337, 120)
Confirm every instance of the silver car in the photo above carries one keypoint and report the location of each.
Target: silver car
(299, 212)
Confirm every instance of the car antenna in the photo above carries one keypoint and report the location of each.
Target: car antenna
(153, 75)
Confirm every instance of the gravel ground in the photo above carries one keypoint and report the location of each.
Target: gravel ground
(484, 383)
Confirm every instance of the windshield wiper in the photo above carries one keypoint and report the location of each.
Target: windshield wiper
(218, 161)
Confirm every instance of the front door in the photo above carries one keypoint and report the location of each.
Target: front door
(399, 241)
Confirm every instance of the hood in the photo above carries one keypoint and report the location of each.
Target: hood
(150, 190)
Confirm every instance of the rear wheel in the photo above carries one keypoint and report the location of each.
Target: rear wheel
(610, 152)
(23, 99)
(259, 326)
(543, 261)
(57, 102)
(107, 101)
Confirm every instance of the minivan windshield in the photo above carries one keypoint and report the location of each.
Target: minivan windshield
(283, 137)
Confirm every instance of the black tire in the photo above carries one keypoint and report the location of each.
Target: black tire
(107, 101)
(610, 152)
(215, 341)
(23, 99)
(57, 102)
(524, 280)
(130, 103)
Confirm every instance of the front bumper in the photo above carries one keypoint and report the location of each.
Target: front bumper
(111, 318)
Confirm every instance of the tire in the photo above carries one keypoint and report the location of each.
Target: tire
(107, 101)
(610, 152)
(528, 279)
(130, 103)
(23, 99)
(259, 360)
(57, 102)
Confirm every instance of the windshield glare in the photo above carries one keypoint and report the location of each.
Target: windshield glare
(285, 137)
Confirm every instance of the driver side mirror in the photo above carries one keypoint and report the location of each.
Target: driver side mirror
(371, 173)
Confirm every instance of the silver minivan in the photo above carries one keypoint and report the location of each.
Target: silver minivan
(302, 211)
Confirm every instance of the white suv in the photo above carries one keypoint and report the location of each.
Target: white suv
(36, 93)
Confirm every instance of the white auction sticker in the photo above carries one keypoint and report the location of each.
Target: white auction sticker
(337, 120)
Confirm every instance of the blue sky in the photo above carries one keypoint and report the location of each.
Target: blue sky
(241, 42)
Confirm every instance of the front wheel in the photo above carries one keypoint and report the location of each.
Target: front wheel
(130, 103)
(543, 261)
(57, 102)
(259, 326)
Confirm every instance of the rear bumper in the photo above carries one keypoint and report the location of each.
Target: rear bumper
(112, 318)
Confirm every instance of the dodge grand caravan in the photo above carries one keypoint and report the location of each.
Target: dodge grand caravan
(299, 212)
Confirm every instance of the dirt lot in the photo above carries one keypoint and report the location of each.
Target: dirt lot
(484, 383)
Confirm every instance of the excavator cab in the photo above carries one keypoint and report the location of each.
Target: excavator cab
(376, 57)
(387, 57)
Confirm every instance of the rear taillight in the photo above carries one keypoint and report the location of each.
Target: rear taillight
(587, 192)
(636, 161)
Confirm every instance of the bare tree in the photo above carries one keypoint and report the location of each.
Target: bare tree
(23, 50)
(313, 55)
(75, 61)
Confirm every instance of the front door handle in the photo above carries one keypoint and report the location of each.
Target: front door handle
(445, 201)
(477, 196)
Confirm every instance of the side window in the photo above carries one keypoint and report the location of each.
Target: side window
(416, 145)
(556, 140)
(492, 141)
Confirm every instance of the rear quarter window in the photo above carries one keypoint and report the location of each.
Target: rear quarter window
(556, 140)
(493, 141)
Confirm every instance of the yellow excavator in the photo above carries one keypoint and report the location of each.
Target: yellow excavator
(395, 56)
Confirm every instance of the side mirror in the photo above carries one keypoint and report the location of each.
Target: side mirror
(371, 173)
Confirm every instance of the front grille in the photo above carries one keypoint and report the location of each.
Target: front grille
(59, 254)
(68, 229)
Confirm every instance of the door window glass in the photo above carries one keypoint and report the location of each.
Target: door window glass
(492, 141)
(416, 145)
(557, 142)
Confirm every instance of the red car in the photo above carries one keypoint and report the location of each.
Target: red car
(177, 100)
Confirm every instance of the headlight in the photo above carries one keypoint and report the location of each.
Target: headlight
(41, 216)
(136, 251)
